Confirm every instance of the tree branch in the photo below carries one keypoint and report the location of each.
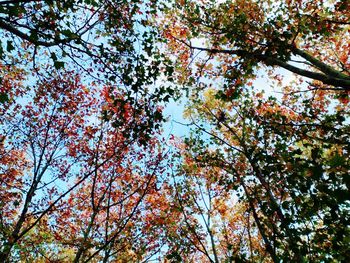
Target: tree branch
(319, 64)
(325, 79)
(18, 1)
(329, 76)
(26, 37)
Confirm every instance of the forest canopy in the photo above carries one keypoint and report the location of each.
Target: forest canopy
(88, 173)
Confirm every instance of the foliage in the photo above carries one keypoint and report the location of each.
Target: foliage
(213, 225)
(85, 176)
(70, 179)
(286, 162)
(105, 42)
(308, 38)
(284, 158)
(69, 31)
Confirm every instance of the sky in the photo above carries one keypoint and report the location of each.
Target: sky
(174, 110)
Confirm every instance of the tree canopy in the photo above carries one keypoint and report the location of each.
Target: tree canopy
(242, 35)
(87, 173)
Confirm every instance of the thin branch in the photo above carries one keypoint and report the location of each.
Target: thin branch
(18, 1)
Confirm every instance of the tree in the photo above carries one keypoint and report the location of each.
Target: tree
(212, 225)
(103, 217)
(68, 172)
(307, 38)
(286, 162)
(108, 42)
(102, 31)
(284, 157)
(79, 156)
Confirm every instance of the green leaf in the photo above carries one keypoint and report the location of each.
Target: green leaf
(336, 161)
(53, 56)
(9, 47)
(59, 64)
(4, 98)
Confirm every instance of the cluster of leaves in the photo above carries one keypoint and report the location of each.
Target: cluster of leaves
(238, 37)
(289, 167)
(106, 42)
(73, 184)
(212, 226)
